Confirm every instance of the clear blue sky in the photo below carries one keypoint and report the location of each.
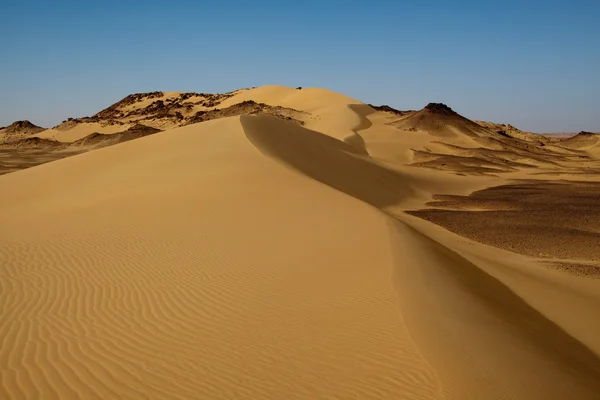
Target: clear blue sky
(534, 64)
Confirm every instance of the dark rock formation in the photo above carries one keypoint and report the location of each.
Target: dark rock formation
(386, 108)
(24, 127)
(440, 109)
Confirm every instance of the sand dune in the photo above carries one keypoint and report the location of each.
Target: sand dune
(190, 287)
(270, 256)
(581, 141)
(70, 132)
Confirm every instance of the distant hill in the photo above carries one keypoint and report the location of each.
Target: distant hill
(433, 137)
(439, 120)
(22, 127)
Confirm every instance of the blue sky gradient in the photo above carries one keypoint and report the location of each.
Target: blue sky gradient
(534, 64)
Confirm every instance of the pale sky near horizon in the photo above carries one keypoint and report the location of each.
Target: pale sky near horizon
(533, 64)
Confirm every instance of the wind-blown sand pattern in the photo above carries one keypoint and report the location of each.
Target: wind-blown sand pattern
(267, 254)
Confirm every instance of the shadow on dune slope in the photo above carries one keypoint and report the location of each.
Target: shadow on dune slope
(327, 160)
(356, 140)
(501, 323)
(444, 274)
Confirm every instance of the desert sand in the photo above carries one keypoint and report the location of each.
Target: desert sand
(281, 243)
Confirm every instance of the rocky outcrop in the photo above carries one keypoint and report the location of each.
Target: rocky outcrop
(115, 110)
(386, 108)
(438, 119)
(247, 108)
(23, 127)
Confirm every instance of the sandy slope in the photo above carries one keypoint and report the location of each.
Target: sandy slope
(250, 257)
(216, 274)
(79, 131)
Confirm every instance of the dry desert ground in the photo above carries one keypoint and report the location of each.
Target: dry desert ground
(282, 243)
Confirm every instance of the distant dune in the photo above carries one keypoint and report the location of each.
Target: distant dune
(583, 140)
(275, 243)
